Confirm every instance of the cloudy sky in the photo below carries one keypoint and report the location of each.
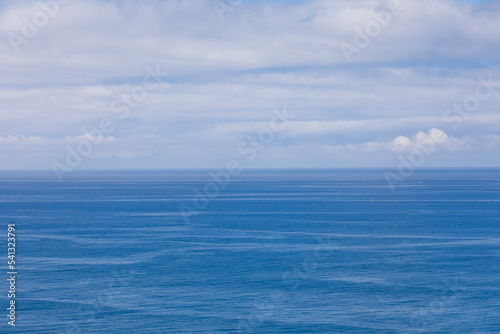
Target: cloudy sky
(195, 83)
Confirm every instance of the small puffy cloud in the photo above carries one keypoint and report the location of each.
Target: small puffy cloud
(9, 140)
(431, 141)
(433, 137)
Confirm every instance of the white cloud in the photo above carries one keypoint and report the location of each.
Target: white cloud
(432, 140)
(228, 76)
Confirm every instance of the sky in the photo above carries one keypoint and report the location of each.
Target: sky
(271, 84)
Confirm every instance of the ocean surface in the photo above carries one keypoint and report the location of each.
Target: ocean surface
(282, 251)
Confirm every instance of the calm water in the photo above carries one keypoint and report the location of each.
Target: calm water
(275, 252)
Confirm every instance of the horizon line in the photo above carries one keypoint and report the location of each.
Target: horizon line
(258, 168)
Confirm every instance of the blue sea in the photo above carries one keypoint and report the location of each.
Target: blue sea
(275, 251)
